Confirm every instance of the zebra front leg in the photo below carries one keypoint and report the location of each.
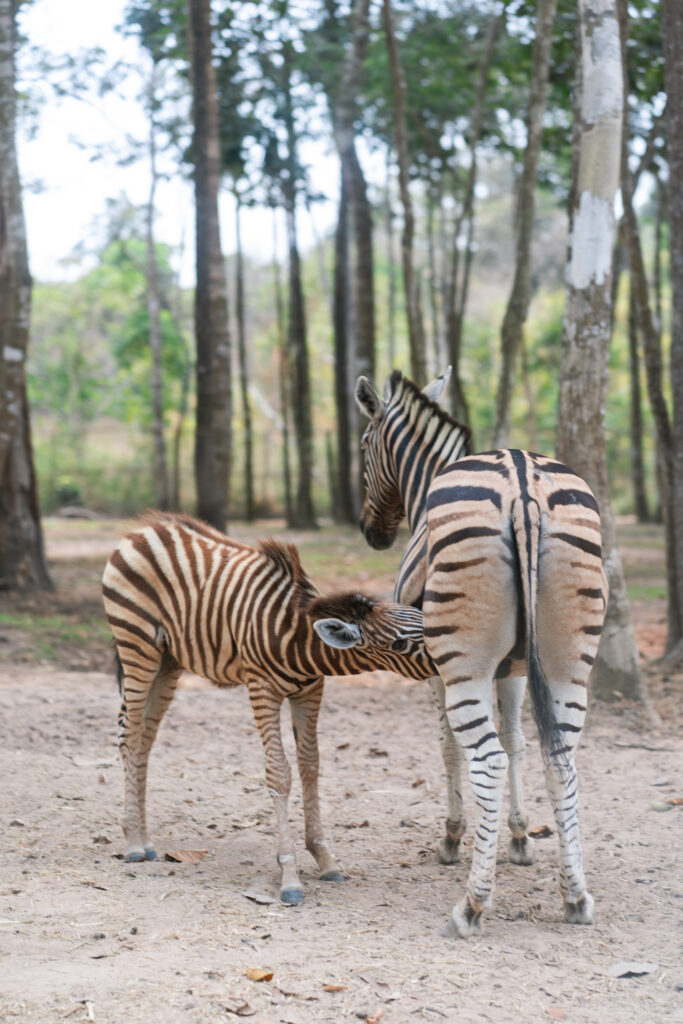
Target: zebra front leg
(305, 707)
(510, 696)
(471, 717)
(266, 705)
(448, 848)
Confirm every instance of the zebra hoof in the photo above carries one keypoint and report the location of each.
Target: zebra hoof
(463, 923)
(448, 850)
(291, 897)
(332, 876)
(134, 856)
(151, 853)
(522, 850)
(581, 912)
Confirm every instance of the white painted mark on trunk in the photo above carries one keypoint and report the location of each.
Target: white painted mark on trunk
(591, 259)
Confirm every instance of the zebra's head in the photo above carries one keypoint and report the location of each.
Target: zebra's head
(377, 636)
(383, 508)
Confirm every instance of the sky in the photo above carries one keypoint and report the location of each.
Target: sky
(65, 190)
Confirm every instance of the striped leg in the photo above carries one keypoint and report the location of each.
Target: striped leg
(145, 702)
(470, 712)
(448, 848)
(510, 696)
(266, 705)
(305, 707)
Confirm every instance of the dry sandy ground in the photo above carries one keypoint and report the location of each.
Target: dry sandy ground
(84, 936)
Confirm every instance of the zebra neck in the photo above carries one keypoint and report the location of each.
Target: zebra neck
(425, 442)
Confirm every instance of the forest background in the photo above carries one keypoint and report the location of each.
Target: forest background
(454, 139)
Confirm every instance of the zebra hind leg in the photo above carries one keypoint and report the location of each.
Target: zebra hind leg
(448, 847)
(470, 713)
(510, 696)
(145, 701)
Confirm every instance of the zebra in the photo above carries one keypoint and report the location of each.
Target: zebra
(512, 584)
(179, 595)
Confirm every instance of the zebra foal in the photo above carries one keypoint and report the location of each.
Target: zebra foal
(505, 560)
(180, 595)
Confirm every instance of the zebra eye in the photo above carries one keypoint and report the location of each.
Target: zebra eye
(400, 644)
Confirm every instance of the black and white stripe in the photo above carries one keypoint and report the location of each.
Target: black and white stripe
(180, 595)
(513, 583)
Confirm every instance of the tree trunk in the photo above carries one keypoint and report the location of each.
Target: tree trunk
(653, 366)
(343, 510)
(637, 462)
(586, 329)
(244, 369)
(672, 32)
(520, 295)
(214, 400)
(283, 377)
(418, 367)
(162, 494)
(391, 268)
(304, 514)
(22, 552)
(456, 294)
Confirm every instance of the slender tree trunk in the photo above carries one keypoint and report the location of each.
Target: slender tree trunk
(418, 367)
(214, 399)
(343, 509)
(586, 331)
(304, 514)
(520, 295)
(672, 33)
(637, 461)
(244, 369)
(433, 202)
(284, 376)
(456, 294)
(161, 479)
(22, 553)
(391, 267)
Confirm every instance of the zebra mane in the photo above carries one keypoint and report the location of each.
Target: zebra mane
(401, 389)
(286, 558)
(350, 607)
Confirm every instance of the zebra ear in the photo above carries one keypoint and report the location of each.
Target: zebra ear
(435, 388)
(336, 633)
(367, 399)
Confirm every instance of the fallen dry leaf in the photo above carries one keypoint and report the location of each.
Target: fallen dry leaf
(375, 1018)
(630, 969)
(540, 832)
(334, 988)
(185, 856)
(418, 782)
(675, 801)
(342, 746)
(258, 974)
(259, 897)
(378, 752)
(242, 1010)
(555, 1012)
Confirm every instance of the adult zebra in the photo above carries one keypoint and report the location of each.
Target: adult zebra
(180, 595)
(506, 549)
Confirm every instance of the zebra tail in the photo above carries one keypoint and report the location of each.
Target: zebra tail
(527, 531)
(118, 667)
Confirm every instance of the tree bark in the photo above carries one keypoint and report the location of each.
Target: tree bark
(161, 477)
(520, 295)
(244, 368)
(343, 509)
(214, 399)
(418, 367)
(672, 34)
(22, 554)
(284, 377)
(303, 510)
(586, 328)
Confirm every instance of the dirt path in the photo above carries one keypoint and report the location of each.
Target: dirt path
(84, 936)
